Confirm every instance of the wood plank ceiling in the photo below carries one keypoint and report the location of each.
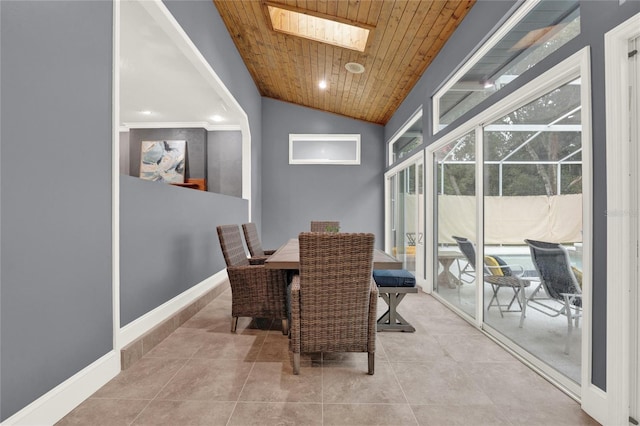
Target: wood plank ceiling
(405, 37)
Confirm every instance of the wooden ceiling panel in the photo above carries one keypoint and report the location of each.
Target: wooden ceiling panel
(406, 35)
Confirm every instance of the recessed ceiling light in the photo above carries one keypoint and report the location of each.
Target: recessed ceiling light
(146, 112)
(354, 67)
(217, 118)
(322, 84)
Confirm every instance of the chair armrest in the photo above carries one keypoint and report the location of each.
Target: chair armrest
(518, 270)
(373, 315)
(258, 260)
(256, 276)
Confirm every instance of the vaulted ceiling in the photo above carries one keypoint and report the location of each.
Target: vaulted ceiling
(405, 36)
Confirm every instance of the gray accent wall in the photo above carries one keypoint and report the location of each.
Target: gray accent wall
(597, 18)
(168, 241)
(224, 159)
(294, 195)
(55, 194)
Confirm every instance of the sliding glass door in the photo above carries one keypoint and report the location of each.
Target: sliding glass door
(454, 207)
(509, 223)
(406, 215)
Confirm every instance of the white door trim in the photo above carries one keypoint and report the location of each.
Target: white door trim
(619, 216)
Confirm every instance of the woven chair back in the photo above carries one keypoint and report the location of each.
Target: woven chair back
(253, 240)
(231, 244)
(335, 280)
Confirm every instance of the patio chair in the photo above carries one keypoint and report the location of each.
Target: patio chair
(253, 242)
(496, 273)
(256, 292)
(325, 226)
(557, 277)
(334, 298)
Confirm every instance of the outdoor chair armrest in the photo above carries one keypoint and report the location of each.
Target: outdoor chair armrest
(517, 270)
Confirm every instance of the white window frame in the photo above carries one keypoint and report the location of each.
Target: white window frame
(346, 138)
(614, 403)
(517, 16)
(577, 65)
(410, 122)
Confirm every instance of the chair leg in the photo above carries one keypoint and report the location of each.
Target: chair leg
(234, 324)
(371, 356)
(296, 363)
(569, 325)
(285, 327)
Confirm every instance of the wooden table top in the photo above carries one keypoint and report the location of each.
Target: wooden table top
(288, 257)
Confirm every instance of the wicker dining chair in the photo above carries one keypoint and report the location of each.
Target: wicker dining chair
(325, 226)
(334, 298)
(253, 242)
(256, 292)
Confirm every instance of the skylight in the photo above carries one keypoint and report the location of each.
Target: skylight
(318, 29)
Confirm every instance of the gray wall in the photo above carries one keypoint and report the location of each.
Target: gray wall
(293, 195)
(55, 180)
(196, 158)
(125, 167)
(224, 153)
(56, 304)
(597, 17)
(168, 241)
(202, 23)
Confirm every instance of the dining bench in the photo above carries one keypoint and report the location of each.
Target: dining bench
(393, 286)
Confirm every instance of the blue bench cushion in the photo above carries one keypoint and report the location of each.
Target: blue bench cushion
(394, 278)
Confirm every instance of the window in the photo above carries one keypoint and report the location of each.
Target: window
(324, 149)
(535, 31)
(407, 140)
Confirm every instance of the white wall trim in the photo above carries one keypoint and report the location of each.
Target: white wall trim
(163, 17)
(145, 323)
(619, 216)
(59, 401)
(115, 179)
(180, 125)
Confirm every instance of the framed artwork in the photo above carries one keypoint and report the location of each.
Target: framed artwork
(163, 161)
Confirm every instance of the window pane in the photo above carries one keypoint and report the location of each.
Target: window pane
(533, 192)
(549, 25)
(455, 215)
(408, 141)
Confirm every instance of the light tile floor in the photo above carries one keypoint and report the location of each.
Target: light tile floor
(446, 373)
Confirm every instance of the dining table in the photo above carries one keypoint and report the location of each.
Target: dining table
(288, 257)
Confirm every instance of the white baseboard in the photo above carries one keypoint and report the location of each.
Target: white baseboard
(145, 323)
(59, 401)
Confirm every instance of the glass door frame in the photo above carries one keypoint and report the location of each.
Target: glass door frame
(415, 160)
(577, 65)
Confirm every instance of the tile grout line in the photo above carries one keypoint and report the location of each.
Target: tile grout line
(161, 389)
(400, 384)
(170, 379)
(235, 405)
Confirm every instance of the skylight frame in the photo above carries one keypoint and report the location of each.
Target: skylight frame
(360, 33)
